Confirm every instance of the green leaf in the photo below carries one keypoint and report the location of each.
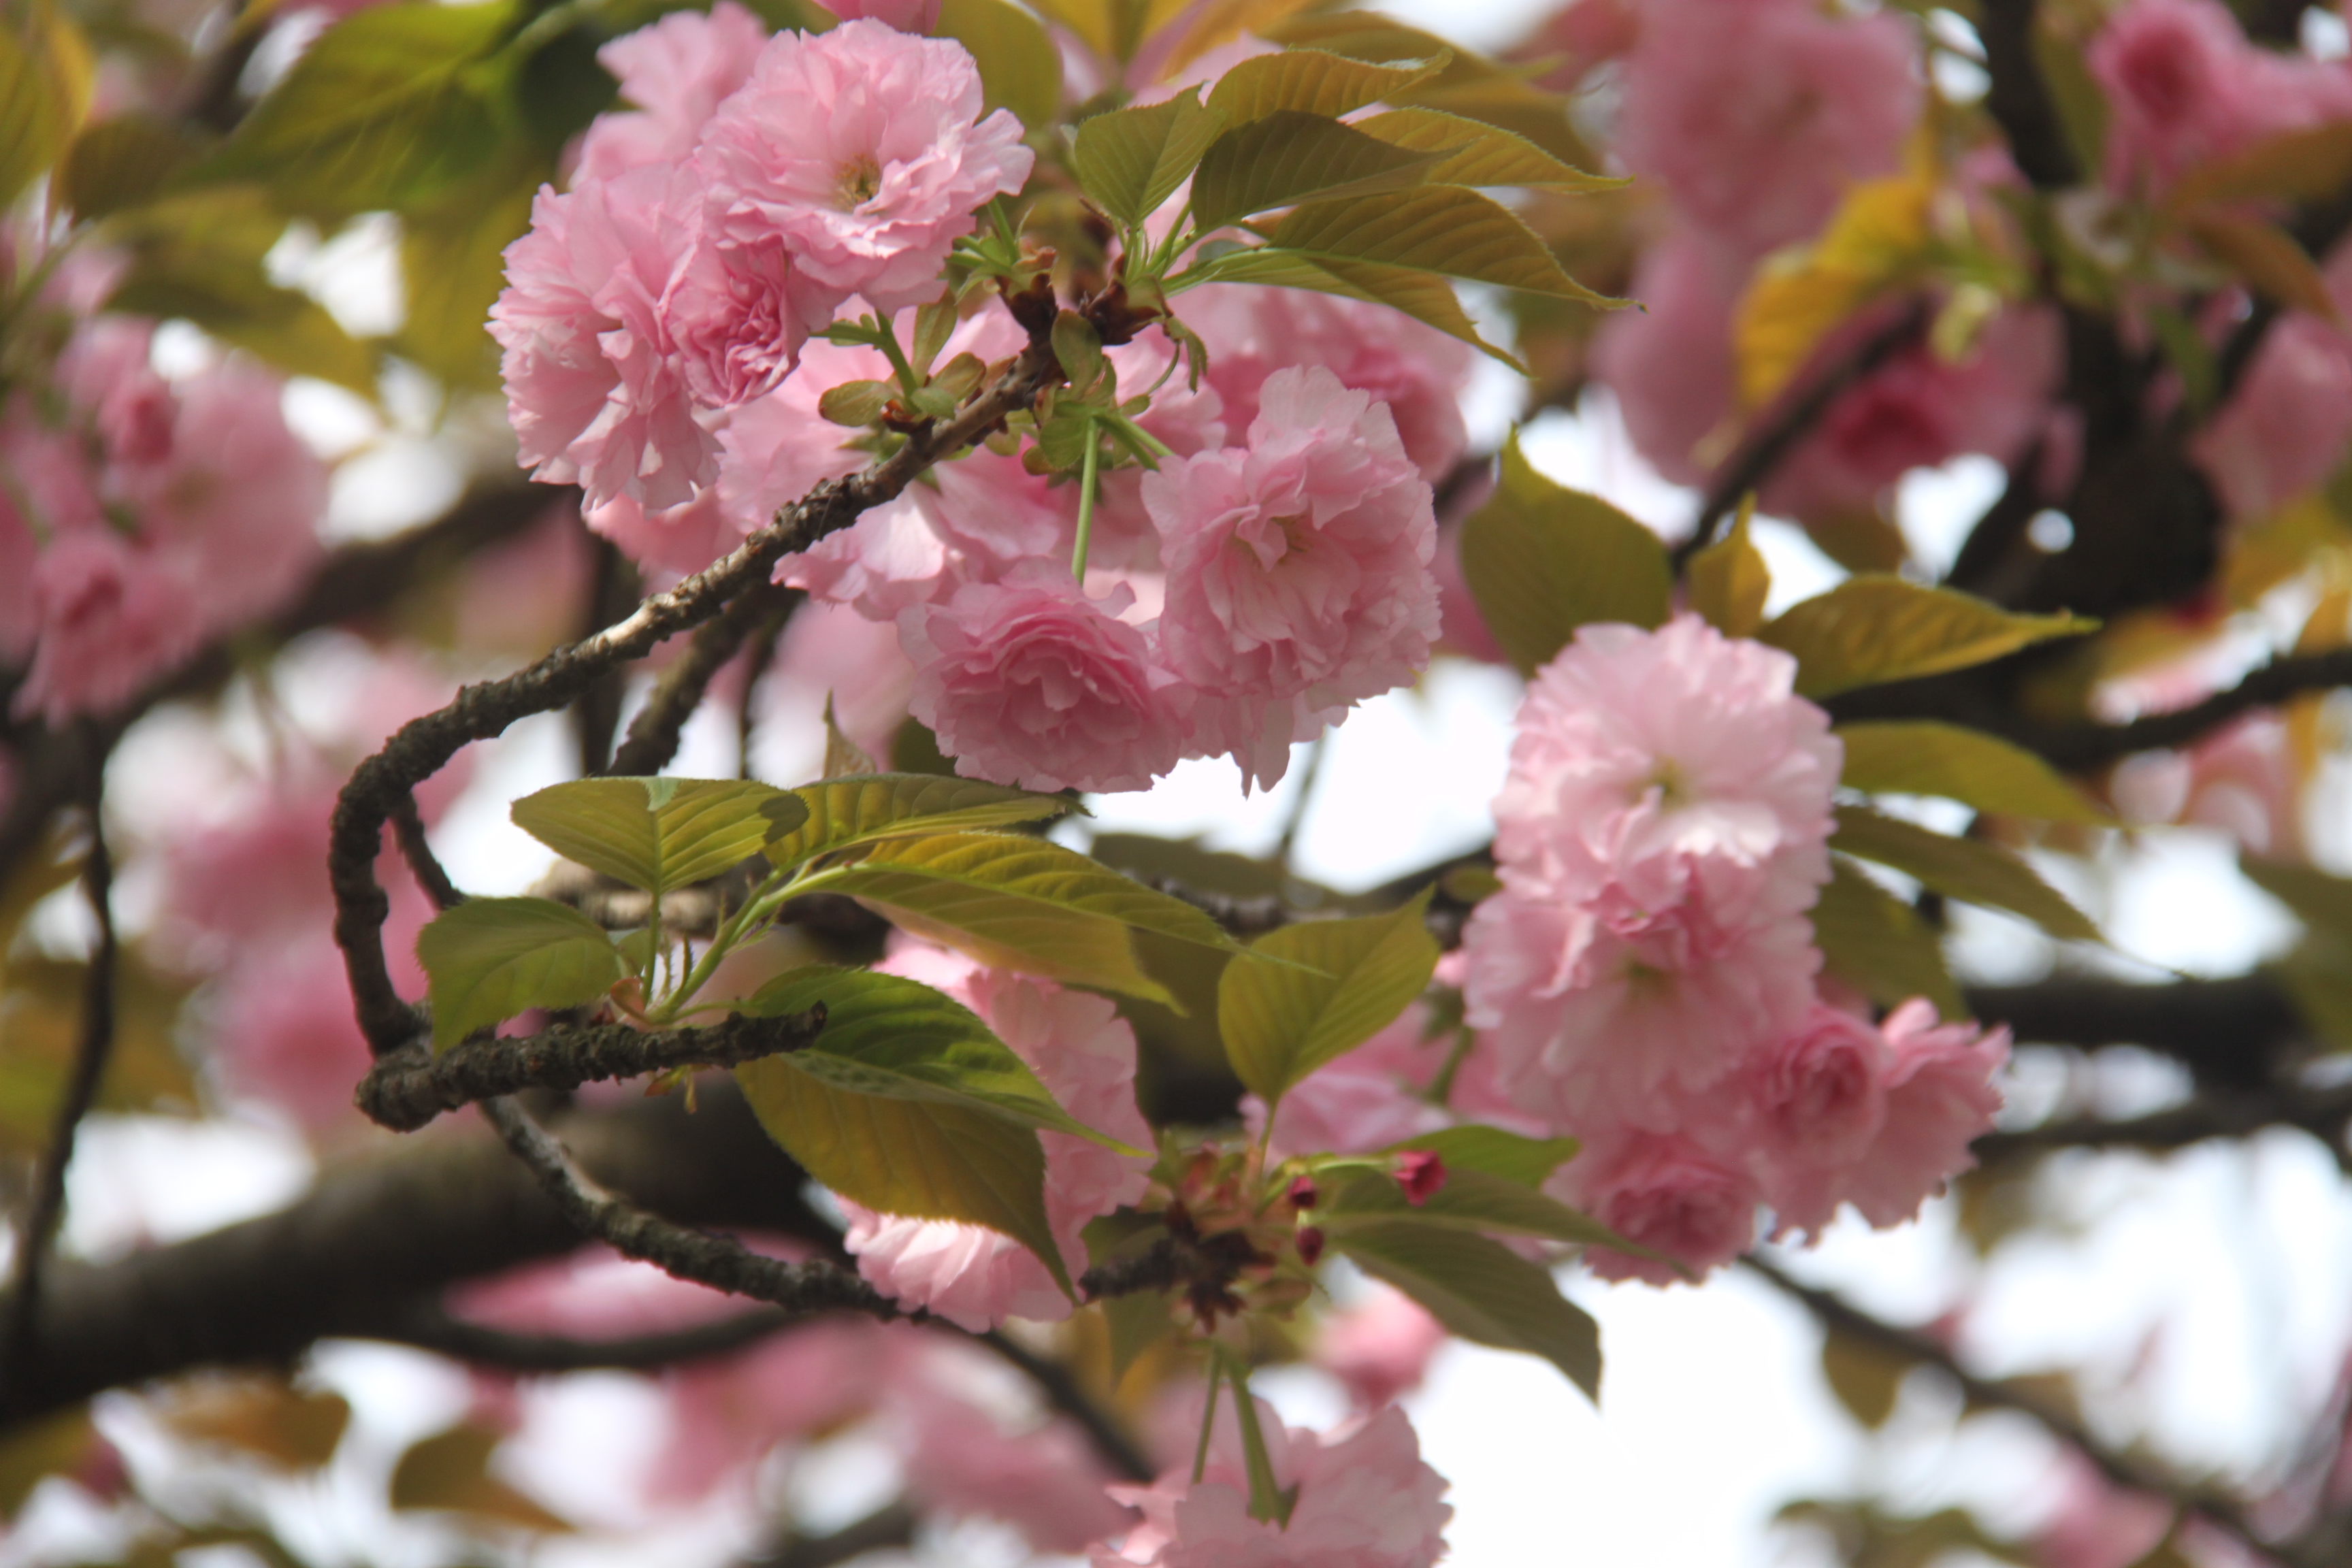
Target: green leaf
(1477, 153)
(886, 1035)
(924, 1158)
(1483, 1291)
(1922, 756)
(1131, 160)
(1426, 299)
(450, 1471)
(2318, 899)
(656, 834)
(1023, 904)
(1876, 629)
(1289, 156)
(1445, 229)
(488, 959)
(1078, 349)
(1729, 582)
(1312, 81)
(385, 110)
(1020, 68)
(453, 264)
(44, 83)
(119, 163)
(1468, 1200)
(1968, 870)
(1542, 560)
(1527, 1160)
(847, 811)
(1878, 944)
(1349, 979)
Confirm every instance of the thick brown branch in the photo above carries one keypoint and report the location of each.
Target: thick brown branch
(408, 828)
(2233, 1034)
(431, 1329)
(2322, 1112)
(410, 1086)
(425, 746)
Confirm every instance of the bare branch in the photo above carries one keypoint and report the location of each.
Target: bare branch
(890, 1525)
(410, 1086)
(2322, 1113)
(430, 1328)
(408, 828)
(652, 734)
(1111, 1438)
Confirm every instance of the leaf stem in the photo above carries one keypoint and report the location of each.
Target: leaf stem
(1090, 474)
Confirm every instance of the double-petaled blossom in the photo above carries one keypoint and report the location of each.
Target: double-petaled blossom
(1364, 1499)
(1084, 1053)
(673, 75)
(1667, 1192)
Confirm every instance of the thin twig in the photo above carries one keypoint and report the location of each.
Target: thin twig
(408, 828)
(653, 734)
(433, 1329)
(1841, 1317)
(1111, 1438)
(408, 1087)
(2280, 681)
(2322, 1113)
(424, 746)
(756, 664)
(1300, 803)
(91, 1053)
(893, 1524)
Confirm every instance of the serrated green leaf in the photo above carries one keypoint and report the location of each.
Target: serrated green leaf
(657, 834)
(386, 109)
(1877, 944)
(486, 960)
(1483, 1291)
(1314, 81)
(1131, 160)
(1729, 582)
(1424, 296)
(1923, 757)
(1968, 869)
(1289, 156)
(1542, 560)
(1447, 229)
(1527, 1160)
(847, 811)
(1280, 1023)
(925, 1159)
(119, 163)
(45, 86)
(1020, 68)
(1477, 153)
(1467, 1199)
(886, 1035)
(1023, 904)
(1876, 628)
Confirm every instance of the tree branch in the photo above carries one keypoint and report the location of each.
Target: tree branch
(20, 1329)
(1840, 1317)
(1111, 1438)
(424, 746)
(408, 1087)
(2322, 1113)
(2233, 1034)
(653, 734)
(890, 1525)
(430, 1328)
(408, 828)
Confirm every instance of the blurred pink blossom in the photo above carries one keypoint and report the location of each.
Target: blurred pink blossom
(1940, 1099)
(1378, 1349)
(1047, 1482)
(1666, 1192)
(675, 74)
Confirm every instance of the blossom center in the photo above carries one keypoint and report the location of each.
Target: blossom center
(857, 184)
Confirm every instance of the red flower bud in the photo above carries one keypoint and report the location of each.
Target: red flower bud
(1420, 1173)
(1310, 1245)
(1302, 1193)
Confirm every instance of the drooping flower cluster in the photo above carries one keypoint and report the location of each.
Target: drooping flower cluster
(143, 517)
(1645, 979)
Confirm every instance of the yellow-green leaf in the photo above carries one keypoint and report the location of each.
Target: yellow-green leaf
(1466, 1200)
(1873, 629)
(2318, 899)
(1542, 560)
(860, 809)
(1476, 154)
(453, 264)
(1445, 229)
(2270, 260)
(1878, 944)
(1020, 68)
(1729, 582)
(1527, 1160)
(450, 1472)
(488, 959)
(2298, 165)
(45, 82)
(1314, 82)
(1968, 869)
(1923, 757)
(1482, 1290)
(1289, 156)
(1346, 981)
(1131, 160)
(1426, 298)
(119, 163)
(657, 834)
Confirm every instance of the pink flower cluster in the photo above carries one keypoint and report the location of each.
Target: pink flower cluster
(760, 186)
(1645, 979)
(143, 517)
(1084, 1053)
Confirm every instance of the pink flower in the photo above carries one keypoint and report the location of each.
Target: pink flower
(1666, 1192)
(112, 617)
(1670, 363)
(1808, 1106)
(1756, 114)
(1380, 1348)
(1419, 372)
(863, 151)
(624, 330)
(1084, 1053)
(1940, 1100)
(676, 73)
(727, 1413)
(1029, 681)
(1298, 579)
(2285, 429)
(1047, 1482)
(1365, 1501)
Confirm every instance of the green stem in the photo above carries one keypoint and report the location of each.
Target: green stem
(764, 902)
(1209, 1414)
(1269, 1503)
(886, 338)
(1088, 474)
